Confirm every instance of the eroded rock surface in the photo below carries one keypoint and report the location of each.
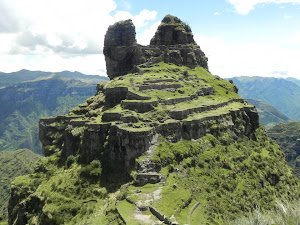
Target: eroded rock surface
(173, 42)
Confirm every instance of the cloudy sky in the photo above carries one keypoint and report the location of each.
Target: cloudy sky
(240, 37)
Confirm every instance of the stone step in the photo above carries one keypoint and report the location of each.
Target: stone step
(159, 86)
(158, 81)
(183, 114)
(139, 106)
(152, 178)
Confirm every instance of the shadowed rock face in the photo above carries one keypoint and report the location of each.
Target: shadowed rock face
(173, 42)
(119, 48)
(120, 34)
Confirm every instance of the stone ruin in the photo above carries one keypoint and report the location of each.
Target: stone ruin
(173, 42)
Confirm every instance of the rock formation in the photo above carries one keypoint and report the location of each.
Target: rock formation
(173, 42)
(183, 130)
(119, 48)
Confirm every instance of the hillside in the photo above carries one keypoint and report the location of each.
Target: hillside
(163, 142)
(23, 104)
(284, 95)
(268, 115)
(294, 80)
(9, 79)
(287, 135)
(13, 164)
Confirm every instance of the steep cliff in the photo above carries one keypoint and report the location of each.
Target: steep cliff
(165, 143)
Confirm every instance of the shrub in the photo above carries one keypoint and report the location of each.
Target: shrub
(70, 160)
(92, 171)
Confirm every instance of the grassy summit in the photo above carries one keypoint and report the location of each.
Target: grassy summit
(167, 143)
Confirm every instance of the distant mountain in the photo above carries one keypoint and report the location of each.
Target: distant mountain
(24, 103)
(268, 115)
(8, 79)
(13, 164)
(294, 80)
(287, 135)
(284, 95)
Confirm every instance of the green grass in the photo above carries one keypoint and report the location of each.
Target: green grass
(229, 174)
(175, 200)
(219, 111)
(66, 191)
(286, 135)
(13, 164)
(286, 213)
(226, 176)
(127, 211)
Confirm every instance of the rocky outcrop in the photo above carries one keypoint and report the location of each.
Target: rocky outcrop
(172, 31)
(120, 48)
(173, 42)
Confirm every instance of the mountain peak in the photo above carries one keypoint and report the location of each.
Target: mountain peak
(172, 31)
(173, 43)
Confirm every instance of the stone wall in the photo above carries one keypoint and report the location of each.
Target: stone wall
(125, 145)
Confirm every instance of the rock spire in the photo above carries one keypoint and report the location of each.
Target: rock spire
(173, 42)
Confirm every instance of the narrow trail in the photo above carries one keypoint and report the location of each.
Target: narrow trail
(195, 206)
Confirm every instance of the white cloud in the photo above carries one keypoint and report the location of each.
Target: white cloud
(56, 26)
(145, 37)
(249, 59)
(287, 17)
(243, 7)
(144, 17)
(294, 39)
(216, 13)
(140, 20)
(43, 34)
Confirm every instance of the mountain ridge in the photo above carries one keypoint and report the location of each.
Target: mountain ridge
(161, 139)
(23, 103)
(280, 93)
(268, 115)
(7, 79)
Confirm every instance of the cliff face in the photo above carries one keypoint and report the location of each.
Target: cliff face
(185, 137)
(173, 42)
(124, 119)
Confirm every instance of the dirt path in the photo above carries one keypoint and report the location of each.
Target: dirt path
(195, 206)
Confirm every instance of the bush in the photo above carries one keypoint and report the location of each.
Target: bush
(70, 160)
(92, 171)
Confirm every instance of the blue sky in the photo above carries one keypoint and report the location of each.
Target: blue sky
(240, 37)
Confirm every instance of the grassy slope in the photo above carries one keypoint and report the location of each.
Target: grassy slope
(268, 115)
(13, 164)
(227, 176)
(280, 93)
(286, 135)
